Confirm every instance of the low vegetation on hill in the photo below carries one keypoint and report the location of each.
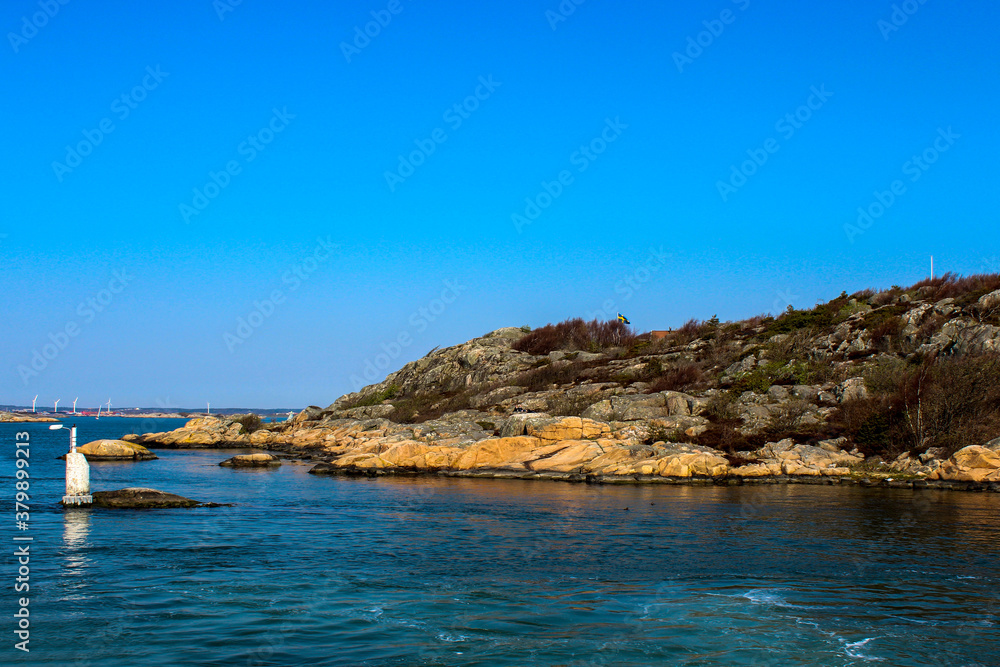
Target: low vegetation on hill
(576, 334)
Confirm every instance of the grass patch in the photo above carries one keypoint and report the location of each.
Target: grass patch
(420, 408)
(376, 398)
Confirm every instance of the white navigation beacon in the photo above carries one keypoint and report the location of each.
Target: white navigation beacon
(77, 472)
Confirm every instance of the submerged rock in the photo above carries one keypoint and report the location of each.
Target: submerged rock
(259, 460)
(141, 498)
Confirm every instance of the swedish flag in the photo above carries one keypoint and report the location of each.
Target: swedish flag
(623, 319)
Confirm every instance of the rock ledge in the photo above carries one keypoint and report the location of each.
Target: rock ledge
(143, 498)
(251, 461)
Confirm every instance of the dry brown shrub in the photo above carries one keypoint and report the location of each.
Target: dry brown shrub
(949, 402)
(953, 286)
(685, 376)
(687, 333)
(575, 334)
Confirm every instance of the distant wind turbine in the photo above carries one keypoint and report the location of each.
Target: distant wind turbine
(109, 406)
(74, 404)
(57, 405)
(33, 402)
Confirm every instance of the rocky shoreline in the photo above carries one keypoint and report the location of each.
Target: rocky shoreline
(896, 388)
(570, 449)
(863, 481)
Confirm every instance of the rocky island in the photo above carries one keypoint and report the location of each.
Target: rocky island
(899, 387)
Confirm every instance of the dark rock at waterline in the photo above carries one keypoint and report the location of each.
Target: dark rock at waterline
(259, 460)
(352, 471)
(141, 498)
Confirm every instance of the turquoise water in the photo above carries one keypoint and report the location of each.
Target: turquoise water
(307, 570)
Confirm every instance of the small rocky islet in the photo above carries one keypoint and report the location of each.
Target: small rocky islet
(256, 460)
(114, 450)
(805, 397)
(144, 498)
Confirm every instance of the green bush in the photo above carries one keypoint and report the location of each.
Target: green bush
(878, 318)
(758, 381)
(803, 372)
(873, 433)
(799, 319)
(822, 316)
(377, 398)
(250, 423)
(659, 433)
(852, 309)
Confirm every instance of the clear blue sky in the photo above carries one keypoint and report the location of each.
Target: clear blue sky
(200, 90)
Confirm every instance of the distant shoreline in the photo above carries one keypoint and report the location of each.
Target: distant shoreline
(157, 415)
(20, 418)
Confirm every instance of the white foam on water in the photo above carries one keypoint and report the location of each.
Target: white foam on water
(647, 610)
(851, 649)
(769, 597)
(915, 621)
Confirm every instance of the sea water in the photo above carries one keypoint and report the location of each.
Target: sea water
(313, 570)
